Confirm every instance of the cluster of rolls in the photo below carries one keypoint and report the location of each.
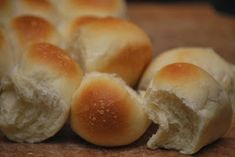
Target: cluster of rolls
(78, 59)
(47, 46)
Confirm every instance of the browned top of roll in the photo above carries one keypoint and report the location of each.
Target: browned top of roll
(30, 29)
(103, 110)
(54, 57)
(179, 72)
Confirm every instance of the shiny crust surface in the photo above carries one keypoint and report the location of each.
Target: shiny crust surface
(100, 112)
(179, 73)
(44, 53)
(30, 29)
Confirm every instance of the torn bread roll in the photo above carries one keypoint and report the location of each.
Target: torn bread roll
(36, 104)
(191, 108)
(205, 58)
(112, 45)
(106, 112)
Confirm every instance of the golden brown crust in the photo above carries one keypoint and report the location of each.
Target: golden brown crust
(101, 112)
(127, 52)
(31, 29)
(179, 72)
(55, 57)
(129, 63)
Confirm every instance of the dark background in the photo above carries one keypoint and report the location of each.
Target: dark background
(226, 6)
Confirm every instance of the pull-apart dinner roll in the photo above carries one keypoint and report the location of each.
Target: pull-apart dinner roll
(191, 108)
(106, 112)
(30, 29)
(72, 10)
(69, 28)
(36, 104)
(26, 30)
(112, 45)
(205, 58)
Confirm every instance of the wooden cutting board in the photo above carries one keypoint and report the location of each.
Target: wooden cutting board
(169, 25)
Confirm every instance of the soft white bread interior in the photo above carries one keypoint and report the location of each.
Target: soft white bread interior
(36, 104)
(106, 112)
(71, 9)
(191, 108)
(112, 45)
(205, 58)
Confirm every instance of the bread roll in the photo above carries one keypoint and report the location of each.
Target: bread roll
(26, 30)
(191, 108)
(32, 29)
(68, 28)
(205, 58)
(41, 8)
(106, 112)
(112, 45)
(36, 104)
(71, 9)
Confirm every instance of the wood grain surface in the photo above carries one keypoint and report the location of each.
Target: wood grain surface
(169, 25)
